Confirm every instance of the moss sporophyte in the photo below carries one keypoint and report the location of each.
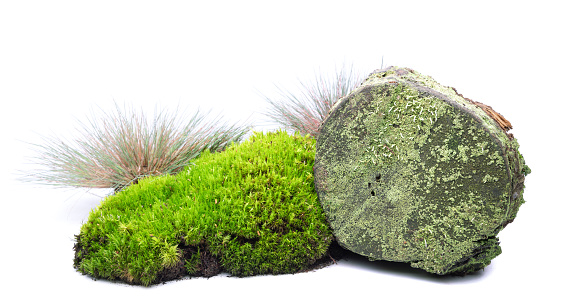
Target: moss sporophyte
(250, 209)
(409, 170)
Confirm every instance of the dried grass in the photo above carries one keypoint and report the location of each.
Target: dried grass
(305, 110)
(116, 149)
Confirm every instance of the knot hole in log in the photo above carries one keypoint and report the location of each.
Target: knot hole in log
(377, 180)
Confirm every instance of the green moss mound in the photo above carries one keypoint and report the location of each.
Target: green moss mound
(251, 209)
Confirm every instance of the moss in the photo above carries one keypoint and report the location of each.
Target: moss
(251, 209)
(407, 170)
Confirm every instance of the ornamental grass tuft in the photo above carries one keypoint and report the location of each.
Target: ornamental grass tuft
(305, 111)
(120, 147)
(250, 209)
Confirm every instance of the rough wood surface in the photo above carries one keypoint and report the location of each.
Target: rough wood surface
(409, 170)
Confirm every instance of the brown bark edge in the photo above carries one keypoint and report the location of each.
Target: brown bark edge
(504, 124)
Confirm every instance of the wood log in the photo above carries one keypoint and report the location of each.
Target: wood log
(408, 170)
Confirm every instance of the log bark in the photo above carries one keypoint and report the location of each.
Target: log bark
(409, 170)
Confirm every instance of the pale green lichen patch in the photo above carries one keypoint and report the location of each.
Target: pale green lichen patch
(413, 174)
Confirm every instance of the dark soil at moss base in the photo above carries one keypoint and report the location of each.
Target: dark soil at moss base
(209, 264)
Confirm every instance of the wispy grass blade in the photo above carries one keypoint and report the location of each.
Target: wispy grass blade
(116, 149)
(305, 110)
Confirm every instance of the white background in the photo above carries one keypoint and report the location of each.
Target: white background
(60, 59)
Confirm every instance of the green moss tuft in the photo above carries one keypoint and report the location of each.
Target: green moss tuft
(251, 209)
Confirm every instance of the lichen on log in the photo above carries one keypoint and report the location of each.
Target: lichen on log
(409, 170)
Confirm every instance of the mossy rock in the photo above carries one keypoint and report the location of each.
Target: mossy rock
(409, 170)
(251, 209)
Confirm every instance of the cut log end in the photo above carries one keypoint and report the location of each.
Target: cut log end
(409, 170)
